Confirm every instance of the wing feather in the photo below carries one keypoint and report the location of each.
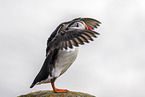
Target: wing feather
(71, 38)
(92, 23)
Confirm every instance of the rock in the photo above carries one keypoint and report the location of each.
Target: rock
(47, 93)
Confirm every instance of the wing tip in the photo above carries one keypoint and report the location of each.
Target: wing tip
(84, 18)
(32, 86)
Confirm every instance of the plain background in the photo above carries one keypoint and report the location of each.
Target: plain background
(111, 66)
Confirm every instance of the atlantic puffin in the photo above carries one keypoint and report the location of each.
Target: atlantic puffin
(62, 49)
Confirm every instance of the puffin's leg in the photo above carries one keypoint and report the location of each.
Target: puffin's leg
(58, 90)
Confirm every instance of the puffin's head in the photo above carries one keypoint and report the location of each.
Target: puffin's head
(75, 25)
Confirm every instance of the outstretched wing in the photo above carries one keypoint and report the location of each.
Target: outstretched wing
(67, 38)
(92, 23)
(70, 38)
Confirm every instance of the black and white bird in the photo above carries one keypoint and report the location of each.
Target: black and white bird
(62, 49)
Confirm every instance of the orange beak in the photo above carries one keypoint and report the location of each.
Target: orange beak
(88, 27)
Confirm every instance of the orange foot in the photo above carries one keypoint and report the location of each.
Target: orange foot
(60, 90)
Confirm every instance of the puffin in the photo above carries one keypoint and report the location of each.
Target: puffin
(62, 49)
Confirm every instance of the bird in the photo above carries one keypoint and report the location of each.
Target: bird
(62, 49)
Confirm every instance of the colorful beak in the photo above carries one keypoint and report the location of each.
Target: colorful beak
(88, 27)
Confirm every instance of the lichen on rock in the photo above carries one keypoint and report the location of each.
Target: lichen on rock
(47, 93)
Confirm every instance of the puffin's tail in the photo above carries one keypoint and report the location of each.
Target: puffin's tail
(44, 72)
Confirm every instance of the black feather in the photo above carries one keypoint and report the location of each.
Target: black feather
(75, 42)
(88, 36)
(85, 40)
(43, 74)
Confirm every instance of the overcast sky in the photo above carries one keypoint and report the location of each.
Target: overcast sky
(111, 66)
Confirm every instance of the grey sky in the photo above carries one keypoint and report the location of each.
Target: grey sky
(111, 66)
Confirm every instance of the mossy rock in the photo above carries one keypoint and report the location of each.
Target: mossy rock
(47, 93)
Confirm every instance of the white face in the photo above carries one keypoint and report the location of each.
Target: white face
(77, 25)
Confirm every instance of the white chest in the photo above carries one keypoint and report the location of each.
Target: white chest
(64, 60)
